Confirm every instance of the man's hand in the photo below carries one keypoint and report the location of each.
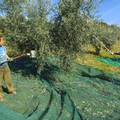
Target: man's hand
(112, 53)
(11, 59)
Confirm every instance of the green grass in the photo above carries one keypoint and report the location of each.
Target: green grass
(88, 59)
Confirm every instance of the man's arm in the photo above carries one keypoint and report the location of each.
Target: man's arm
(7, 56)
(115, 53)
(10, 59)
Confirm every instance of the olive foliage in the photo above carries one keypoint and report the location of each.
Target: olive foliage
(27, 28)
(102, 36)
(71, 28)
(28, 25)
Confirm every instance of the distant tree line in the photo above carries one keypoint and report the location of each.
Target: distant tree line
(62, 29)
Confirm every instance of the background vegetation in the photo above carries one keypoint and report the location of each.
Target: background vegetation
(89, 59)
(62, 30)
(61, 34)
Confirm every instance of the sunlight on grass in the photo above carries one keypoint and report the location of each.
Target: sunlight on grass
(88, 59)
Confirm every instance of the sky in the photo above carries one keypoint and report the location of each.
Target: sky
(108, 11)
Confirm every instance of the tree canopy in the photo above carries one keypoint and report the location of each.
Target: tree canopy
(27, 25)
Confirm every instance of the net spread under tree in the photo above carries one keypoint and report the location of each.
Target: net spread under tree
(54, 94)
(85, 93)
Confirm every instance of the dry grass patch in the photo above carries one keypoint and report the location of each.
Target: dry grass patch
(89, 59)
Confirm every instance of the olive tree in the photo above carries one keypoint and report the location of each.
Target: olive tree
(102, 36)
(71, 28)
(27, 26)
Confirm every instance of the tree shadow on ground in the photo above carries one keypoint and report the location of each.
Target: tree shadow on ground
(28, 66)
(24, 65)
(48, 73)
(90, 52)
(115, 59)
(5, 89)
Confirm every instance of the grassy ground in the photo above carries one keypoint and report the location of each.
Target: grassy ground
(88, 59)
(84, 94)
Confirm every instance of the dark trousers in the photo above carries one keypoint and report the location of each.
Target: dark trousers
(5, 75)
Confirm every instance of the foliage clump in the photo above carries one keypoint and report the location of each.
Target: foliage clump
(28, 25)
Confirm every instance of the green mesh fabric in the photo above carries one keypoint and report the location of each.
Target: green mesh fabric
(8, 114)
(110, 61)
(83, 94)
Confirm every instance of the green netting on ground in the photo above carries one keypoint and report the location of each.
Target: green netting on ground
(84, 94)
(110, 61)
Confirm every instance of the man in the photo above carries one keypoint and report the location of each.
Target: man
(5, 73)
(115, 53)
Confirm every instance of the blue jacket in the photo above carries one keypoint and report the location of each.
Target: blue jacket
(3, 58)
